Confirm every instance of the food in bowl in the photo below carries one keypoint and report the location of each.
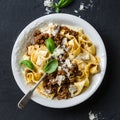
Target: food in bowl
(76, 60)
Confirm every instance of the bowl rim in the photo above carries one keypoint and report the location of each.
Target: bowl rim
(71, 102)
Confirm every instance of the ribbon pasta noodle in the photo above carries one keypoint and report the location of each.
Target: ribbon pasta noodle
(77, 59)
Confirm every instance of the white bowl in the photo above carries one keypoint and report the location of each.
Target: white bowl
(24, 39)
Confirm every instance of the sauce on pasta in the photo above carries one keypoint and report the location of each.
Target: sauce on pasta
(76, 56)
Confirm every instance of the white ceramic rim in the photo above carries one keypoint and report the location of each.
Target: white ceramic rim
(70, 20)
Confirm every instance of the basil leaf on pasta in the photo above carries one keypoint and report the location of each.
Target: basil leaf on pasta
(51, 66)
(28, 64)
(50, 45)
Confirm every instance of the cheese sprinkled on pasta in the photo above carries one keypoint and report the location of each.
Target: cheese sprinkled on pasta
(76, 55)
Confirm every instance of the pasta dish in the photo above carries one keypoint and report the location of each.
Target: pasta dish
(75, 54)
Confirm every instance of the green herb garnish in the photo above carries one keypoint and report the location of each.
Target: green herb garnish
(28, 64)
(50, 45)
(64, 3)
(51, 66)
(61, 4)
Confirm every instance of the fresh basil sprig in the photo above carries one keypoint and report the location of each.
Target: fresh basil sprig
(50, 45)
(61, 4)
(64, 3)
(51, 66)
(28, 64)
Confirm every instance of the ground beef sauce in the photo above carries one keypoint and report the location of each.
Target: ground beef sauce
(50, 83)
(63, 92)
(39, 38)
(71, 32)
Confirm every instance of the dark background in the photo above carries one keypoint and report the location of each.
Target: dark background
(105, 17)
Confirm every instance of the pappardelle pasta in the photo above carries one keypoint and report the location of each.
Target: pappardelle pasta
(76, 56)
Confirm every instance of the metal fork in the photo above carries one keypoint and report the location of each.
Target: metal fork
(25, 99)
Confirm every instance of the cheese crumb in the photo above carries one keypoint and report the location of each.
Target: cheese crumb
(76, 11)
(47, 3)
(48, 11)
(59, 67)
(67, 62)
(47, 91)
(58, 51)
(60, 78)
(92, 116)
(72, 90)
(55, 31)
(66, 70)
(81, 6)
(64, 41)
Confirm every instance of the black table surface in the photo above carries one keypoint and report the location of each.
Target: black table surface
(105, 17)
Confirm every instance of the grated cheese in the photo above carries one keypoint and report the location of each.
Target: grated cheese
(47, 91)
(76, 11)
(58, 51)
(64, 41)
(47, 3)
(67, 62)
(60, 78)
(72, 90)
(66, 70)
(81, 6)
(92, 116)
(55, 31)
(59, 67)
(48, 11)
(96, 116)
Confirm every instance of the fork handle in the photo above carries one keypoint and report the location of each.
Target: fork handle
(25, 99)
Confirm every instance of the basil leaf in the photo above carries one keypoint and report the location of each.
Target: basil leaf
(57, 9)
(64, 3)
(50, 45)
(53, 5)
(28, 64)
(61, 4)
(51, 66)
